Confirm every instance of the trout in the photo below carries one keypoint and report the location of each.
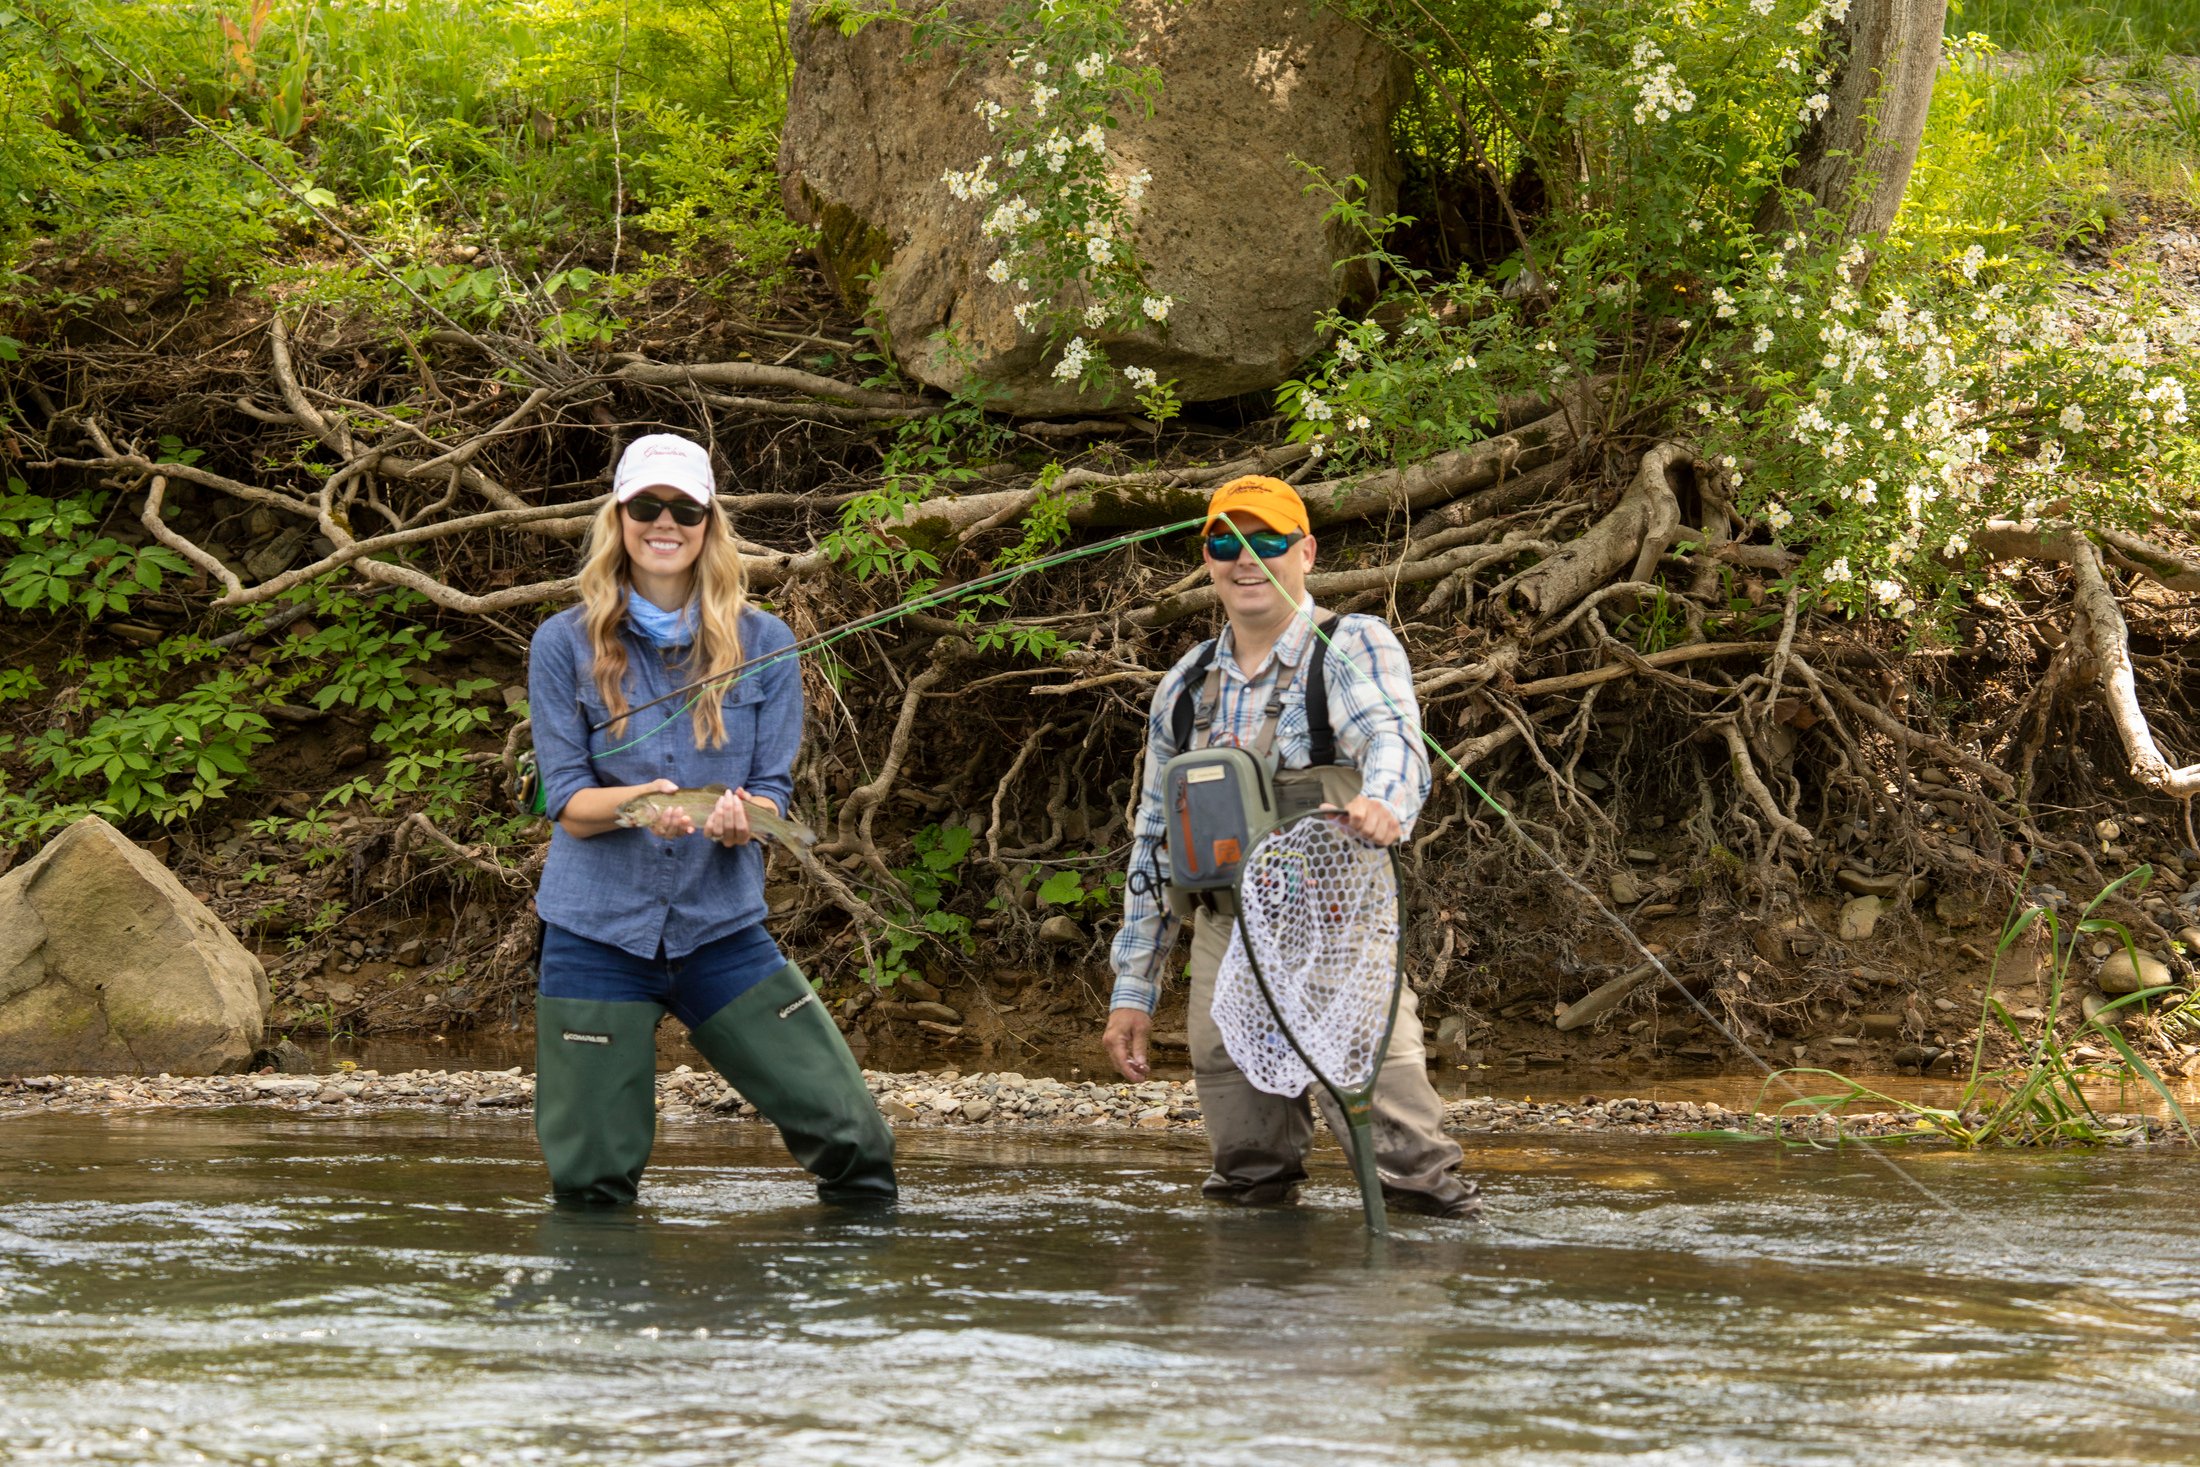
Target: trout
(642, 811)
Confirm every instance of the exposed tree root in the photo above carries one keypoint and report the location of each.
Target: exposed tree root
(1575, 641)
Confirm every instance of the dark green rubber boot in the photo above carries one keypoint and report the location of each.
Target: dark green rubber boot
(595, 1095)
(778, 1047)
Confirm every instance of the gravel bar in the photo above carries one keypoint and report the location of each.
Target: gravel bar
(925, 1098)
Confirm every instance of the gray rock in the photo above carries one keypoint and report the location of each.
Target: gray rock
(277, 555)
(1249, 92)
(2120, 975)
(1626, 891)
(108, 965)
(1061, 930)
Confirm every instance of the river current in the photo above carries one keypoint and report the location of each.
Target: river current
(252, 1287)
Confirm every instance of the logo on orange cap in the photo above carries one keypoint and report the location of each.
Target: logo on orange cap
(1271, 501)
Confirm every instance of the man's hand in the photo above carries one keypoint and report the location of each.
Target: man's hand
(1371, 820)
(1125, 1041)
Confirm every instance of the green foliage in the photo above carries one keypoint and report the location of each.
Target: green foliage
(1068, 890)
(1867, 404)
(941, 852)
(137, 756)
(714, 197)
(420, 127)
(61, 562)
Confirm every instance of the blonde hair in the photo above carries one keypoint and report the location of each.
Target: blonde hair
(721, 595)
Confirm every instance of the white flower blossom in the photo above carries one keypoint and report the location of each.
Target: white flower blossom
(1093, 139)
(997, 272)
(1142, 378)
(1314, 409)
(1358, 423)
(2073, 417)
(1075, 356)
(1134, 187)
(1157, 307)
(1764, 340)
(1096, 316)
(1814, 107)
(1091, 66)
(1098, 250)
(1887, 591)
(1777, 516)
(1971, 259)
(1839, 570)
(1542, 20)
(1042, 94)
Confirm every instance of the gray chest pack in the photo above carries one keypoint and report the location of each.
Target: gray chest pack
(1221, 800)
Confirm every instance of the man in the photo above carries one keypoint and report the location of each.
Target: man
(1379, 778)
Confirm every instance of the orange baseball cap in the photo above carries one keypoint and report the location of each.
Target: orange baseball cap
(1271, 501)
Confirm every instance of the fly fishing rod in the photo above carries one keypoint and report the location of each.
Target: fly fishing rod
(693, 692)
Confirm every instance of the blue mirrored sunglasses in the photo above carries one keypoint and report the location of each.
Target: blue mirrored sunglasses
(1267, 544)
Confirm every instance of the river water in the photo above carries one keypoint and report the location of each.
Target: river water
(251, 1287)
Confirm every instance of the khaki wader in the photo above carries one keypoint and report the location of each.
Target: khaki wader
(1259, 1141)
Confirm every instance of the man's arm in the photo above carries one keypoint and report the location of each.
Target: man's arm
(1378, 725)
(1149, 930)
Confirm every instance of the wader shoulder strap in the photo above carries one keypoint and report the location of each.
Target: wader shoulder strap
(1321, 738)
(1198, 698)
(1184, 717)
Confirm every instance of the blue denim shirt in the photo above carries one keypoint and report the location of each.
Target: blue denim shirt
(630, 888)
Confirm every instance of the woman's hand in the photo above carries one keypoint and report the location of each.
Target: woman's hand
(729, 819)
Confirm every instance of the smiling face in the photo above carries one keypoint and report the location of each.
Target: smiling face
(663, 552)
(1248, 595)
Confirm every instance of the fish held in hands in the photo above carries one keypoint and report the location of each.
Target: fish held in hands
(642, 811)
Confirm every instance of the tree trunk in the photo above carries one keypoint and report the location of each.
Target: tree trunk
(1856, 159)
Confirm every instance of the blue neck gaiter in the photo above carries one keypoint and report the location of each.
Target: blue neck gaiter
(660, 627)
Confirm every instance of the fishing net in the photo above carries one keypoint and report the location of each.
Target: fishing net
(1319, 908)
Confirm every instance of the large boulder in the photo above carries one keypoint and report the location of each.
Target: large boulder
(1227, 228)
(108, 966)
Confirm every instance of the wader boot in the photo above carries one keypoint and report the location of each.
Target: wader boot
(778, 1047)
(595, 1095)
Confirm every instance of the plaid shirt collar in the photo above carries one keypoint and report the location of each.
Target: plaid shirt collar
(1289, 651)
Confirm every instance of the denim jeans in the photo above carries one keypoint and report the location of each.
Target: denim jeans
(692, 987)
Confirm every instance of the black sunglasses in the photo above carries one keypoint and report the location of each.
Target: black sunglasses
(1267, 544)
(643, 509)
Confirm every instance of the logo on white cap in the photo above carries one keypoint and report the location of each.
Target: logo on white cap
(664, 459)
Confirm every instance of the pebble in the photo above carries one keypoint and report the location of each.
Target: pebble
(943, 1098)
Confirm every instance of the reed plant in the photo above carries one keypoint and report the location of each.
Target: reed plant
(2040, 1100)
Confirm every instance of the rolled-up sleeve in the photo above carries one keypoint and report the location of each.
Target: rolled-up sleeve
(778, 722)
(557, 722)
(1378, 720)
(1149, 931)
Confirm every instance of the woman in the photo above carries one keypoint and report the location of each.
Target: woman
(638, 922)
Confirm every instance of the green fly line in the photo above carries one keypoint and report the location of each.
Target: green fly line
(695, 692)
(1617, 922)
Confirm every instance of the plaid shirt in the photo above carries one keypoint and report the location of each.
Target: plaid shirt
(1370, 737)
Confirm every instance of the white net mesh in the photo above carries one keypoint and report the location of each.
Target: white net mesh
(1320, 907)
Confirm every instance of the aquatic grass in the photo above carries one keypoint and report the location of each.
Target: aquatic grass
(2040, 1101)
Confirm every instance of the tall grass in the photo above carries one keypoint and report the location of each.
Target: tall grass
(2041, 1099)
(2123, 27)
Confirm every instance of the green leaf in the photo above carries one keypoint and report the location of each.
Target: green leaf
(1063, 888)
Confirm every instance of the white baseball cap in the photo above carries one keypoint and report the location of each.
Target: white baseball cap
(666, 459)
